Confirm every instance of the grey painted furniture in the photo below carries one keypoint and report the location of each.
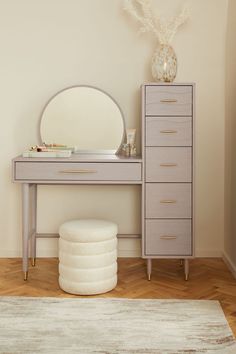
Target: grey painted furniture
(78, 169)
(165, 174)
(167, 150)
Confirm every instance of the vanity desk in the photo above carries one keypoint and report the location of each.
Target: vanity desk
(80, 169)
(90, 118)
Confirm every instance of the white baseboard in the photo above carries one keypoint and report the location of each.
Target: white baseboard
(126, 248)
(18, 254)
(230, 264)
(5, 253)
(204, 253)
(51, 253)
(129, 253)
(49, 248)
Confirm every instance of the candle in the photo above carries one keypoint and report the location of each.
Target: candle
(165, 65)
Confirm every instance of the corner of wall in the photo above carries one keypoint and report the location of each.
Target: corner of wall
(229, 263)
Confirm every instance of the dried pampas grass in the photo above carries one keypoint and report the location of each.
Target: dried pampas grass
(164, 30)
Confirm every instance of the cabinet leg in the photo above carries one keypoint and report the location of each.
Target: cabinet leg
(25, 228)
(186, 269)
(34, 224)
(181, 262)
(149, 268)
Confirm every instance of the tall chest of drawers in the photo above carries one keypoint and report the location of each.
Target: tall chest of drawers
(168, 173)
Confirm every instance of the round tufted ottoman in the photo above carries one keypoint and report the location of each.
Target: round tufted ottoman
(87, 256)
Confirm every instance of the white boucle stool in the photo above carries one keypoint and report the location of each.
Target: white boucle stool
(88, 256)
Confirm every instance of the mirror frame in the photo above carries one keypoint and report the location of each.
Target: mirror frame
(97, 151)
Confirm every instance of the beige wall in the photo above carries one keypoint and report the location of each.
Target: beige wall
(48, 45)
(230, 140)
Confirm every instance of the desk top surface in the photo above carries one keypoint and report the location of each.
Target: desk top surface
(81, 158)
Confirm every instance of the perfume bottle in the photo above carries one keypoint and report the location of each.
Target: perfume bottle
(133, 150)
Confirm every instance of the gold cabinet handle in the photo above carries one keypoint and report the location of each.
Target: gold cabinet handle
(78, 171)
(168, 100)
(168, 237)
(168, 201)
(168, 164)
(168, 131)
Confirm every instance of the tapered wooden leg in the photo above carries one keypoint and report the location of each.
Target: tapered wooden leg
(186, 269)
(34, 224)
(181, 262)
(149, 268)
(25, 228)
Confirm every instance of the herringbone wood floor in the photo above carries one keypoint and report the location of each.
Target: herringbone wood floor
(209, 279)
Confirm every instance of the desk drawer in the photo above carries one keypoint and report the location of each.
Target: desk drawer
(168, 237)
(74, 171)
(168, 131)
(168, 200)
(168, 164)
(166, 100)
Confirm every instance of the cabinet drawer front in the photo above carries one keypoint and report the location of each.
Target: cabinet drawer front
(168, 164)
(70, 171)
(168, 238)
(168, 131)
(168, 200)
(169, 100)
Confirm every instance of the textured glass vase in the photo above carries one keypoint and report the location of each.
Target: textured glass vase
(164, 64)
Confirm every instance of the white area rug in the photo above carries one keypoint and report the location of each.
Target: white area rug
(113, 326)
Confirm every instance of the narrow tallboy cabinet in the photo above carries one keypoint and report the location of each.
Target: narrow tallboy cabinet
(168, 172)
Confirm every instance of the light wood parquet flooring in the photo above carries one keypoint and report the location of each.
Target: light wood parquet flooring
(209, 279)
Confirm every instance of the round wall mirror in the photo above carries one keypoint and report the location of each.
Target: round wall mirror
(84, 118)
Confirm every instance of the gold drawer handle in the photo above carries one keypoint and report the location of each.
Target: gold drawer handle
(168, 100)
(168, 237)
(168, 131)
(168, 164)
(168, 201)
(78, 171)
